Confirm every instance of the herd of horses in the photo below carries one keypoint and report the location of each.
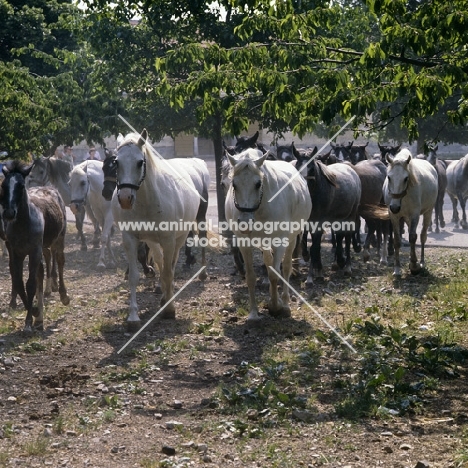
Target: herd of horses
(283, 188)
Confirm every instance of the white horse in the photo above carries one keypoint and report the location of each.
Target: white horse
(86, 181)
(410, 190)
(254, 182)
(159, 191)
(457, 188)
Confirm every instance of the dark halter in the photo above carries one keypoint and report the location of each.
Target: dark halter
(399, 195)
(134, 186)
(247, 210)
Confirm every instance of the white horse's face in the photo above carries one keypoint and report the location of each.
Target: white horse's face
(398, 179)
(79, 188)
(130, 174)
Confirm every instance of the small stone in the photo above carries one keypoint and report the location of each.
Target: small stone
(207, 459)
(158, 415)
(422, 464)
(387, 434)
(47, 432)
(12, 399)
(339, 301)
(202, 448)
(229, 456)
(71, 433)
(388, 449)
(168, 450)
(173, 424)
(405, 447)
(177, 404)
(8, 362)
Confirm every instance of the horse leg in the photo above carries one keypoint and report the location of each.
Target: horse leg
(371, 229)
(424, 237)
(286, 253)
(131, 245)
(315, 269)
(48, 261)
(305, 250)
(170, 255)
(295, 256)
(13, 304)
(415, 266)
(440, 208)
(251, 280)
(79, 220)
(59, 254)
(385, 227)
(203, 235)
(340, 260)
(35, 258)
(356, 235)
(347, 266)
(462, 200)
(17, 284)
(455, 218)
(189, 257)
(39, 318)
(397, 246)
(238, 259)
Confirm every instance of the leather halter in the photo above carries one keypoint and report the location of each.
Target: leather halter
(134, 186)
(243, 209)
(399, 195)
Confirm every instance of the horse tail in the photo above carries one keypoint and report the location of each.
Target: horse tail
(374, 212)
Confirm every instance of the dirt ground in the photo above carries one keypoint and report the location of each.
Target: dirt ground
(69, 399)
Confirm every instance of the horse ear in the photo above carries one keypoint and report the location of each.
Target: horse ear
(232, 159)
(143, 138)
(5, 170)
(314, 151)
(409, 158)
(258, 162)
(389, 158)
(436, 148)
(120, 139)
(25, 172)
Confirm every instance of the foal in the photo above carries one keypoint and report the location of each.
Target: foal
(35, 224)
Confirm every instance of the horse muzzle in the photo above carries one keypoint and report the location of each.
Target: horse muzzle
(126, 198)
(395, 206)
(9, 214)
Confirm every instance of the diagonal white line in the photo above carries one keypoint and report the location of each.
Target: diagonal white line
(313, 310)
(311, 159)
(160, 157)
(161, 309)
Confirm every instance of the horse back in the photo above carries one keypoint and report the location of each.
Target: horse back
(338, 201)
(50, 204)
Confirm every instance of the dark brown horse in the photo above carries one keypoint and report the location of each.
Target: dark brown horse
(35, 225)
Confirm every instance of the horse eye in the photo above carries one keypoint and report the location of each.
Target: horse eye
(234, 186)
(140, 163)
(406, 179)
(83, 183)
(258, 185)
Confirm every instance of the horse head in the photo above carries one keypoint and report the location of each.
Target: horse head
(342, 152)
(109, 168)
(287, 153)
(247, 183)
(13, 188)
(392, 150)
(39, 174)
(398, 178)
(131, 168)
(79, 186)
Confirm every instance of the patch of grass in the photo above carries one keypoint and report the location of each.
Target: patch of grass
(149, 463)
(4, 459)
(36, 447)
(58, 426)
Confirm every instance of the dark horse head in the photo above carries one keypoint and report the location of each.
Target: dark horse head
(109, 167)
(13, 187)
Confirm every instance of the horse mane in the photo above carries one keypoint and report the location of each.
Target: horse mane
(245, 162)
(59, 169)
(400, 159)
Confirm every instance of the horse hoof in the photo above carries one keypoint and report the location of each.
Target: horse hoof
(255, 322)
(111, 266)
(35, 311)
(64, 299)
(47, 293)
(133, 326)
(442, 224)
(335, 266)
(365, 256)
(416, 269)
(150, 273)
(39, 326)
(157, 289)
(100, 267)
(437, 231)
(282, 312)
(202, 276)
(84, 247)
(27, 330)
(168, 314)
(96, 246)
(383, 263)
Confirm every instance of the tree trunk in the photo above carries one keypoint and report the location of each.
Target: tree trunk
(218, 150)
